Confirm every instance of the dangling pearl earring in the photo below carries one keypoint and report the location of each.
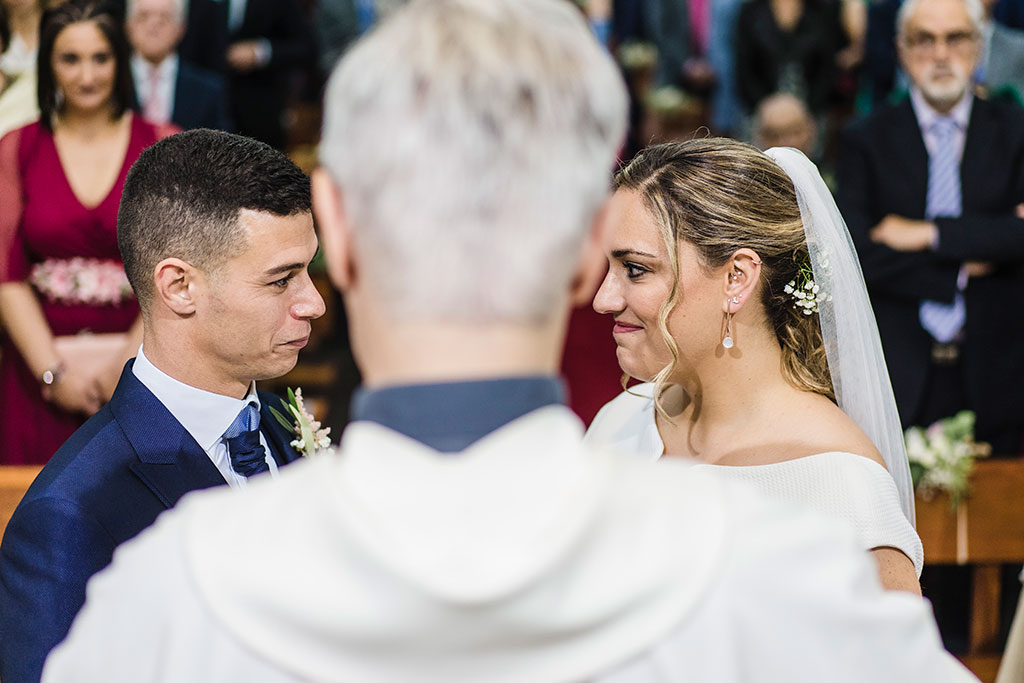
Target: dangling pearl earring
(727, 341)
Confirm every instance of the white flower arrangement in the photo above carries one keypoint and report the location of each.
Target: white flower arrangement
(805, 291)
(942, 456)
(81, 281)
(312, 439)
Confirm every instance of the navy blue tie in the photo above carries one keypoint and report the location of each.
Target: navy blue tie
(248, 457)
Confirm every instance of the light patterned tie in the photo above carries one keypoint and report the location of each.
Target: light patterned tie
(154, 107)
(943, 321)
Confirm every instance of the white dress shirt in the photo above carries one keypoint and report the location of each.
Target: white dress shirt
(162, 77)
(204, 415)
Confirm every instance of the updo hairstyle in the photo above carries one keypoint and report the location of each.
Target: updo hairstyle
(720, 195)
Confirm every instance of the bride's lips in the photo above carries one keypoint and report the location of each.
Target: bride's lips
(623, 328)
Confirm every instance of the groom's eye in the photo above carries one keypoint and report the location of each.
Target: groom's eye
(282, 283)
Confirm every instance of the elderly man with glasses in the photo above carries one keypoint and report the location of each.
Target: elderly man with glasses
(931, 188)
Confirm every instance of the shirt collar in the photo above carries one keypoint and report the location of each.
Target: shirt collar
(165, 69)
(449, 417)
(203, 414)
(927, 116)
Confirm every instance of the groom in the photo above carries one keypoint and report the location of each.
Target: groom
(216, 235)
(466, 533)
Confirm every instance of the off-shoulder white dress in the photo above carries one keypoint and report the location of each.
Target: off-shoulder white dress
(841, 485)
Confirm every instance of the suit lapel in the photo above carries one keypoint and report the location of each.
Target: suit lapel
(278, 438)
(179, 97)
(975, 165)
(170, 462)
(907, 144)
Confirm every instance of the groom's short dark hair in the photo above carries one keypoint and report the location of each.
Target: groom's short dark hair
(183, 196)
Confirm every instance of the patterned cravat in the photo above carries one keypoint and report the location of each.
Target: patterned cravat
(943, 321)
(248, 457)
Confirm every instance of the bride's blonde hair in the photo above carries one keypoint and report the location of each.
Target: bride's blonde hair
(721, 195)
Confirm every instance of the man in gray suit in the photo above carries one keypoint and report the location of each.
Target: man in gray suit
(1002, 62)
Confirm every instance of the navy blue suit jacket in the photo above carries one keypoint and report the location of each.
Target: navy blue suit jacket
(113, 477)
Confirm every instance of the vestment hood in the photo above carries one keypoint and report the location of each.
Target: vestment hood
(525, 557)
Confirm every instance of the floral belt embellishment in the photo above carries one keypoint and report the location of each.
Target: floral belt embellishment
(80, 280)
(311, 439)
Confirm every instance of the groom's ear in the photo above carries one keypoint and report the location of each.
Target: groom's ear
(740, 277)
(174, 283)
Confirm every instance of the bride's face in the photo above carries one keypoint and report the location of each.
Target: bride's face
(639, 281)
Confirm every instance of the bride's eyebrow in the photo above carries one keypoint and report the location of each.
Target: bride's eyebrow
(622, 253)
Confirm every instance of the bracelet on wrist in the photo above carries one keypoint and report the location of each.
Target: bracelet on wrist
(52, 374)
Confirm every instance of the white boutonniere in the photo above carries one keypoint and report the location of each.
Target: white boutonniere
(310, 439)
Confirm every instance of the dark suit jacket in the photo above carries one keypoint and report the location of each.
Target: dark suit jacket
(200, 99)
(258, 98)
(206, 34)
(763, 51)
(122, 468)
(883, 169)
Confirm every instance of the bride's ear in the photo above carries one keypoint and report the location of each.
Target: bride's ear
(741, 275)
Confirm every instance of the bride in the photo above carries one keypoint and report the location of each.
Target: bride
(738, 298)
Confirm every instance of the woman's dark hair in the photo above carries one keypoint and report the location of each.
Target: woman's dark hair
(5, 29)
(107, 18)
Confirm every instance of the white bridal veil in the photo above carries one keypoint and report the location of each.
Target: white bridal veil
(852, 345)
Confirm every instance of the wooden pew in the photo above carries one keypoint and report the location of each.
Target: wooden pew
(987, 530)
(14, 481)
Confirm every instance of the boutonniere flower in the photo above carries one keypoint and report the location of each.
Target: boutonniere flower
(310, 439)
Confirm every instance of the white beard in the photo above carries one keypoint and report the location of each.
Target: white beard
(945, 92)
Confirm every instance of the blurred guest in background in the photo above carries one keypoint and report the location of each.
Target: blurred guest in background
(788, 46)
(205, 42)
(19, 54)
(168, 88)
(696, 52)
(929, 187)
(337, 26)
(1001, 68)
(782, 120)
(267, 40)
(61, 273)
(19, 39)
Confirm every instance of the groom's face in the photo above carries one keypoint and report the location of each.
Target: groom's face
(257, 306)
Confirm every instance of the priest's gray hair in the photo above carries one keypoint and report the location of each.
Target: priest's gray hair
(974, 10)
(473, 142)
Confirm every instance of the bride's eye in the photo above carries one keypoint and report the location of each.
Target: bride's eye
(633, 270)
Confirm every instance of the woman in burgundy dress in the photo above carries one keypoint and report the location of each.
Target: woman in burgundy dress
(60, 271)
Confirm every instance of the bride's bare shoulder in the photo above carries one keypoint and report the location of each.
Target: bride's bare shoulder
(830, 429)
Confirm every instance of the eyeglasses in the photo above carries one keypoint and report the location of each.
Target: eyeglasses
(924, 44)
